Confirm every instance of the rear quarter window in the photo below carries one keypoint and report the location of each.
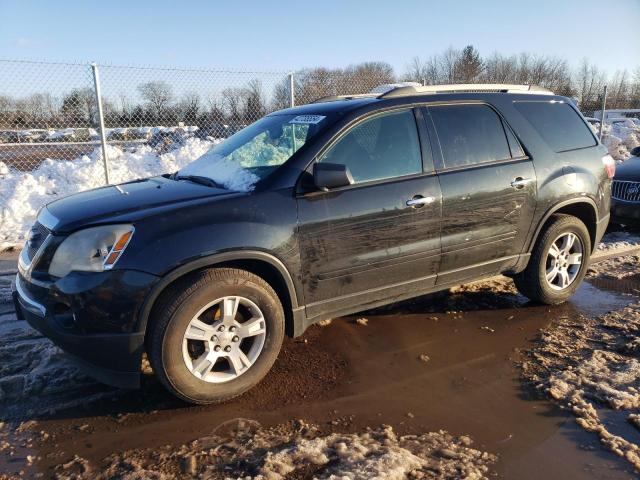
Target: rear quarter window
(558, 124)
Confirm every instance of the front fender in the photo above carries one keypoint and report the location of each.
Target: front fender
(211, 261)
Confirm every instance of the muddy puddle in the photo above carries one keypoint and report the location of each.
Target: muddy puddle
(440, 362)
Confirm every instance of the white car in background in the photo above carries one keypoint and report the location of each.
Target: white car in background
(625, 122)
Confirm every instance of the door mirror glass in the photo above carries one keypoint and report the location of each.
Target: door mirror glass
(331, 175)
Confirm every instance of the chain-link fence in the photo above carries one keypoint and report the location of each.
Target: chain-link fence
(62, 111)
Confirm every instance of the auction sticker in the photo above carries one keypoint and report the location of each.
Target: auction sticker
(307, 119)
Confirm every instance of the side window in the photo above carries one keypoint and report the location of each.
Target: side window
(558, 124)
(514, 144)
(384, 146)
(469, 134)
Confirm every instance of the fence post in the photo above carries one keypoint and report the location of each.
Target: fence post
(103, 137)
(292, 95)
(604, 112)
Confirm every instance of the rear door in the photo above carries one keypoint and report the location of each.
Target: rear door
(379, 237)
(488, 186)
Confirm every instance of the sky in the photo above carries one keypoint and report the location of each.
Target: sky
(287, 35)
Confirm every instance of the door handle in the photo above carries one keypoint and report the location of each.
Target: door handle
(420, 201)
(520, 182)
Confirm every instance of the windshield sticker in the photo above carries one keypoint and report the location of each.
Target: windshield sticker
(308, 119)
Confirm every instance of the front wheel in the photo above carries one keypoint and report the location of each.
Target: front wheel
(558, 262)
(215, 335)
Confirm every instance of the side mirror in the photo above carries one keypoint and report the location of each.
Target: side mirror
(635, 152)
(331, 175)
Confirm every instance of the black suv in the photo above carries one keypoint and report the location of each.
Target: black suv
(313, 212)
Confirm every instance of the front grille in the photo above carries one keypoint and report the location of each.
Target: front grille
(37, 235)
(626, 191)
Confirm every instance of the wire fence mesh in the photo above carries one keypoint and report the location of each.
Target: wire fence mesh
(46, 111)
(49, 111)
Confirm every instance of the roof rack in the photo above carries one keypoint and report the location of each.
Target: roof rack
(467, 88)
(333, 98)
(408, 88)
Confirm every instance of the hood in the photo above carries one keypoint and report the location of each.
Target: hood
(628, 170)
(123, 202)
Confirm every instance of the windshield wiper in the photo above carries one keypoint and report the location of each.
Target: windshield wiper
(198, 179)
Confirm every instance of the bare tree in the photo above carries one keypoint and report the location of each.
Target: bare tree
(158, 95)
(447, 63)
(589, 83)
(364, 77)
(189, 107)
(281, 95)
(416, 71)
(233, 101)
(619, 90)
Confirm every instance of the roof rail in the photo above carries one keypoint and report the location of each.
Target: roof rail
(332, 98)
(466, 87)
(409, 88)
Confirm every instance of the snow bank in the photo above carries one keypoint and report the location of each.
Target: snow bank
(22, 194)
(618, 241)
(296, 450)
(620, 140)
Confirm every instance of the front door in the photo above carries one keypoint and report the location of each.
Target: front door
(488, 187)
(379, 237)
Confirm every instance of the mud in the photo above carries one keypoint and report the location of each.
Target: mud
(342, 388)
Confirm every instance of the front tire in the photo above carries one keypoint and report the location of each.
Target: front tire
(215, 334)
(558, 262)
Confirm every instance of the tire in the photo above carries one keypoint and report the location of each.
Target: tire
(174, 358)
(532, 282)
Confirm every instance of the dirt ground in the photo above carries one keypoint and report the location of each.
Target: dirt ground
(473, 383)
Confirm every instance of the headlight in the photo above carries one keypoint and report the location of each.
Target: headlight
(91, 250)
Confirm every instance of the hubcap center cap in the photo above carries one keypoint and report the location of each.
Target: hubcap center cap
(223, 338)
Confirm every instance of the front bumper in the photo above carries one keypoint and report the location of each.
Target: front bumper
(91, 317)
(627, 213)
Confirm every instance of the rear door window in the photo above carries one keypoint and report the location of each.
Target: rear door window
(469, 134)
(558, 124)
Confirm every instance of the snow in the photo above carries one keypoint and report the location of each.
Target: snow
(297, 449)
(223, 170)
(22, 194)
(592, 368)
(620, 139)
(618, 241)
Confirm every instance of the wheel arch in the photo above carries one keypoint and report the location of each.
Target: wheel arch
(583, 208)
(263, 264)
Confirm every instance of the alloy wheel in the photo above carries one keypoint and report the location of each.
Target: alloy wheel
(564, 260)
(224, 339)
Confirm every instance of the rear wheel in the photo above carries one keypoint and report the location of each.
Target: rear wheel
(215, 335)
(558, 262)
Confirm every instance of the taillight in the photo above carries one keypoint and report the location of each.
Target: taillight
(609, 165)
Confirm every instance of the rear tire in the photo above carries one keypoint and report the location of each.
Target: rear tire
(215, 334)
(553, 273)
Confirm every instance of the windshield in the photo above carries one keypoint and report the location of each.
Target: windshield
(256, 151)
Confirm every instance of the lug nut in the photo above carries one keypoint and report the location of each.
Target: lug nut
(235, 338)
(227, 348)
(216, 348)
(233, 329)
(221, 328)
(214, 338)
